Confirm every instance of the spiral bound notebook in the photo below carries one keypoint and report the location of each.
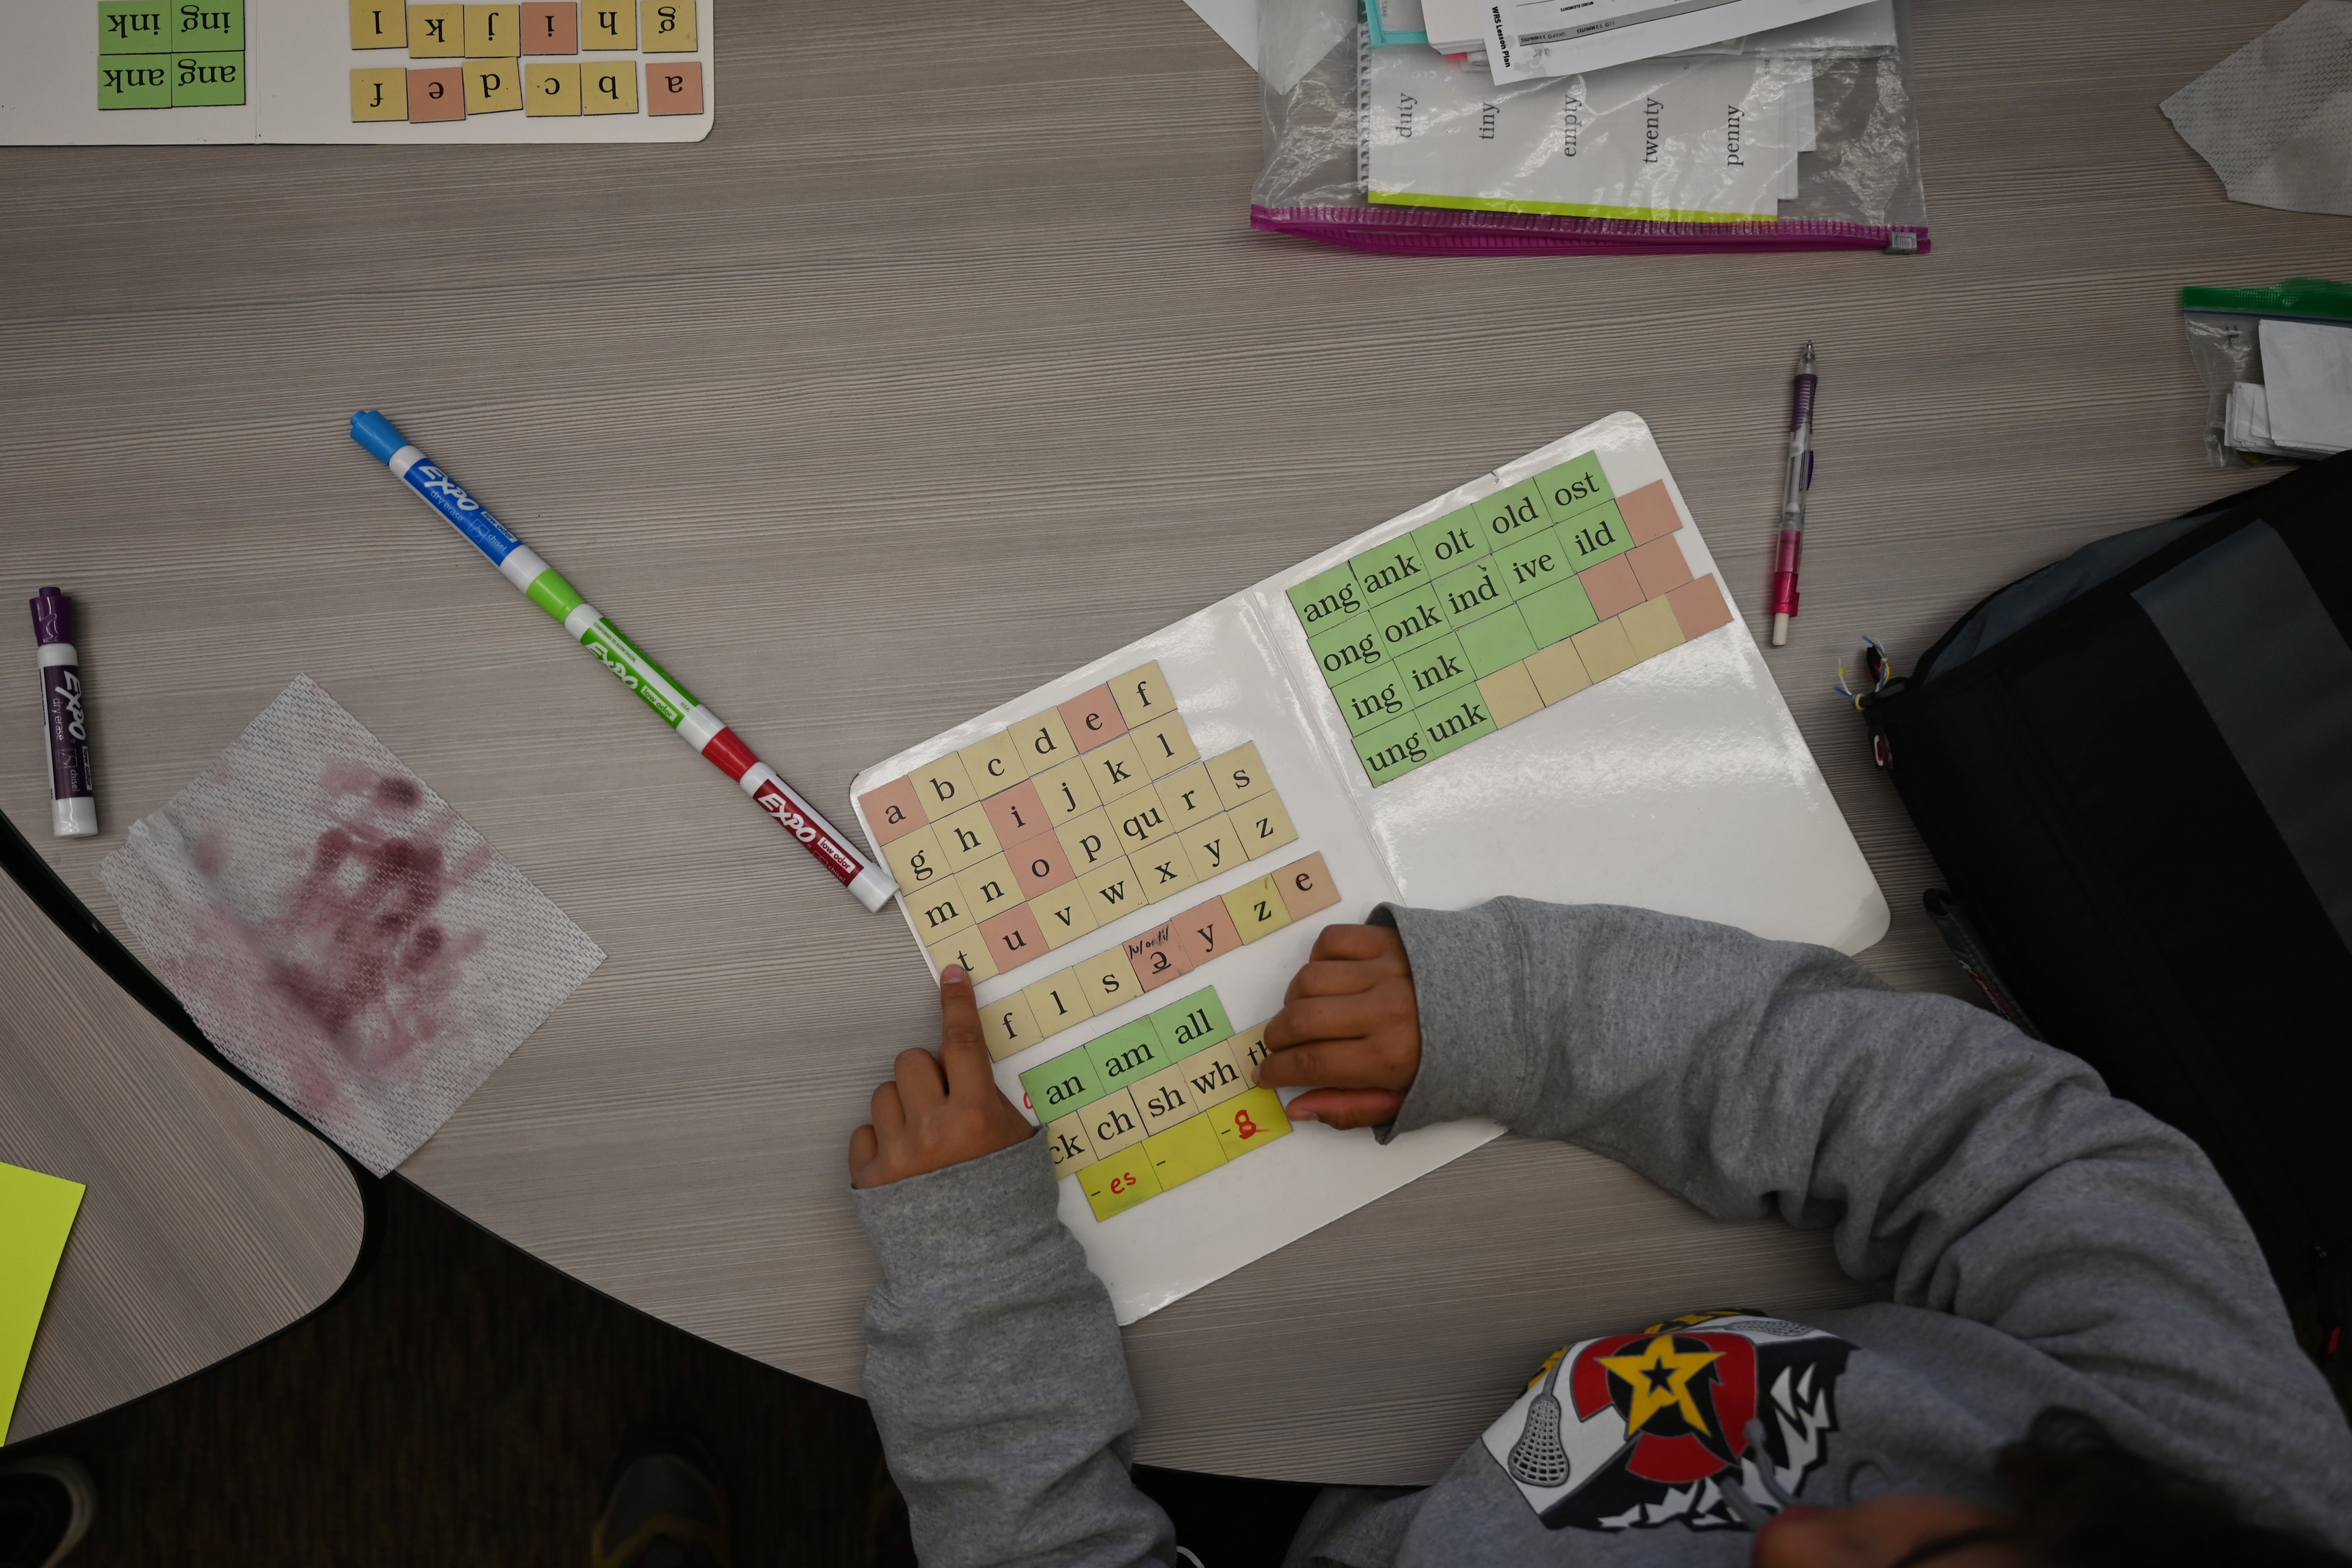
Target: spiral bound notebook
(1530, 685)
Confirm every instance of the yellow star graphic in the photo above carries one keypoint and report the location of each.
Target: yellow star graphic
(1660, 1377)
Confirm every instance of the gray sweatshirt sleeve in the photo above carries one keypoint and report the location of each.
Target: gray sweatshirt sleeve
(1977, 1171)
(994, 1368)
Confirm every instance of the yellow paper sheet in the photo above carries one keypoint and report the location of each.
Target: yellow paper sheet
(36, 1213)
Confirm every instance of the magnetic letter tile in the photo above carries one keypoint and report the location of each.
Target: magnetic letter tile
(1212, 1075)
(1165, 745)
(1496, 642)
(1306, 885)
(915, 860)
(1089, 841)
(1192, 1024)
(938, 911)
(672, 87)
(988, 889)
(609, 26)
(1605, 649)
(207, 78)
(144, 28)
(1238, 775)
(1699, 608)
(216, 25)
(1348, 649)
(493, 32)
(492, 87)
(1166, 870)
(379, 94)
(1613, 588)
(1067, 1083)
(1599, 535)
(1112, 890)
(436, 94)
(1649, 512)
(993, 764)
(551, 27)
(1507, 515)
(943, 786)
(436, 32)
(1249, 1050)
(1040, 865)
(1651, 628)
(1392, 750)
(1115, 1186)
(1127, 1055)
(1107, 980)
(1007, 1027)
(1326, 599)
(1092, 718)
(1263, 826)
(1165, 1098)
(1064, 914)
(667, 27)
(1471, 592)
(966, 950)
(1248, 1122)
(893, 810)
(1189, 1149)
(375, 24)
(1154, 959)
(609, 89)
(1257, 909)
(1371, 700)
(1116, 768)
(1434, 668)
(1557, 613)
(1409, 620)
(1533, 564)
(1017, 815)
(551, 88)
(1043, 742)
(1054, 1004)
(1142, 696)
(1386, 570)
(1188, 798)
(1659, 566)
(1575, 485)
(966, 837)
(1452, 541)
(1212, 847)
(1066, 1138)
(1510, 694)
(1068, 790)
(143, 81)
(1558, 671)
(1206, 931)
(1453, 724)
(1140, 819)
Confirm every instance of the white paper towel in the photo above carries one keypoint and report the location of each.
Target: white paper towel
(340, 933)
(2275, 118)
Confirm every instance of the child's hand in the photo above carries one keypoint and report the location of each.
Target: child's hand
(1350, 1021)
(925, 1122)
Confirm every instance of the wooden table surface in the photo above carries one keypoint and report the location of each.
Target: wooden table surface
(910, 389)
(212, 1219)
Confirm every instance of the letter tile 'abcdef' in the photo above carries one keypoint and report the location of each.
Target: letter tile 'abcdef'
(551, 26)
(436, 93)
(379, 94)
(1305, 886)
(1008, 1027)
(1165, 745)
(672, 87)
(893, 810)
(608, 89)
(436, 32)
(1093, 718)
(375, 24)
(1142, 696)
(493, 87)
(667, 27)
(609, 24)
(994, 763)
(550, 90)
(1054, 1004)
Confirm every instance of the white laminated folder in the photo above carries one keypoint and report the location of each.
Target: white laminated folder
(1635, 751)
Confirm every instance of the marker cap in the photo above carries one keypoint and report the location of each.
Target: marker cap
(377, 434)
(53, 617)
(873, 887)
(75, 818)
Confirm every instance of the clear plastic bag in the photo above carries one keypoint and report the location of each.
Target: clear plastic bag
(2224, 328)
(1402, 150)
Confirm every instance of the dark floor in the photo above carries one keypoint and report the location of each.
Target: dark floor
(460, 1402)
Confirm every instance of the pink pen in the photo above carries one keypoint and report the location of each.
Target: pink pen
(1793, 502)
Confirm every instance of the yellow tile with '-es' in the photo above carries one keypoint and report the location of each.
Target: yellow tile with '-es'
(493, 32)
(967, 839)
(1238, 775)
(1248, 1122)
(1067, 1137)
(1263, 826)
(1107, 980)
(1257, 909)
(1558, 671)
(608, 24)
(1054, 1004)
(436, 32)
(1068, 790)
(1008, 1027)
(1165, 746)
(1115, 1186)
(966, 949)
(379, 94)
(1652, 628)
(1190, 1148)
(551, 88)
(378, 25)
(492, 87)
(609, 88)
(993, 764)
(1142, 696)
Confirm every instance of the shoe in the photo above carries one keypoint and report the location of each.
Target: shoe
(663, 1509)
(46, 1505)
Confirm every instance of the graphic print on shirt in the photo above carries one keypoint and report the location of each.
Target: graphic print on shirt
(1639, 1430)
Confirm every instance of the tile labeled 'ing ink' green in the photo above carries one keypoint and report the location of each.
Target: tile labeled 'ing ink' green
(207, 80)
(1595, 537)
(1471, 592)
(1194, 1023)
(133, 82)
(1345, 650)
(1558, 612)
(1062, 1085)
(1407, 622)
(1326, 598)
(1534, 564)
(1508, 515)
(215, 24)
(1392, 751)
(1452, 722)
(1390, 571)
(1129, 1054)
(1496, 642)
(133, 26)
(1435, 668)
(1372, 700)
(1454, 540)
(1575, 485)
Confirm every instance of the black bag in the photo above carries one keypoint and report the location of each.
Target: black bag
(2135, 768)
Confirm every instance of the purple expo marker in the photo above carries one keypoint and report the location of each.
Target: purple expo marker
(73, 804)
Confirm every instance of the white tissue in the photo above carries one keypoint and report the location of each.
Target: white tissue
(2275, 118)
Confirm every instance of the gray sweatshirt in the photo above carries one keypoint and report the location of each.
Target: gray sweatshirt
(2041, 1242)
